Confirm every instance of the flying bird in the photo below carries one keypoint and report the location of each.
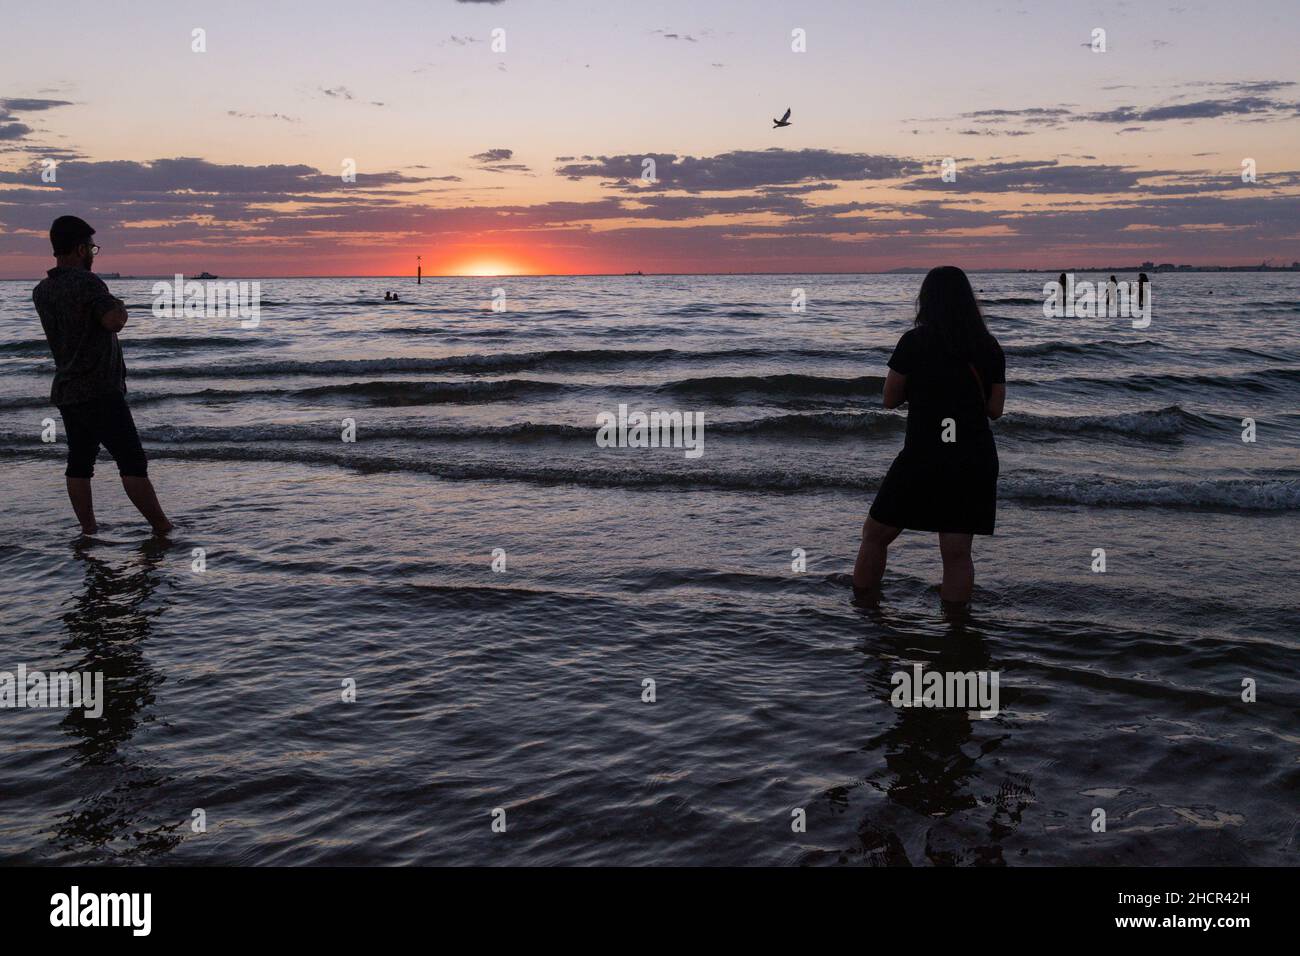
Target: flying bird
(783, 121)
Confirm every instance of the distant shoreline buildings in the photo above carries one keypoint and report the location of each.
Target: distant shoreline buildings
(1170, 267)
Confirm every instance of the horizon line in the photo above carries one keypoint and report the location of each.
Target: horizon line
(907, 270)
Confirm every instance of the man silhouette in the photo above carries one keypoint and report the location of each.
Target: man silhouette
(81, 319)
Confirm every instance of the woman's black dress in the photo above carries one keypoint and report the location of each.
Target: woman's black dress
(937, 484)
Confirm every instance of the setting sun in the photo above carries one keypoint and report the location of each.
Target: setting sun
(488, 267)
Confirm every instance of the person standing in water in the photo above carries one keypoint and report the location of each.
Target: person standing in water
(952, 374)
(81, 319)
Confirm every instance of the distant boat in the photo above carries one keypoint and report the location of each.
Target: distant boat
(637, 273)
(206, 275)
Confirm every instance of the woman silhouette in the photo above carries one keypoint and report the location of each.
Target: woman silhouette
(952, 374)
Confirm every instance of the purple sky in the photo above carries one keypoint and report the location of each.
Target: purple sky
(513, 136)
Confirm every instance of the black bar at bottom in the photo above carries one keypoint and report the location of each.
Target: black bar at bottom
(331, 905)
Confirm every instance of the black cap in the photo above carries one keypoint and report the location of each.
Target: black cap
(68, 232)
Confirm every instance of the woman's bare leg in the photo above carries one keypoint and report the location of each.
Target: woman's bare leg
(873, 553)
(958, 568)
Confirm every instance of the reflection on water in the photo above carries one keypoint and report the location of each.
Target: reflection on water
(108, 625)
(506, 687)
(934, 765)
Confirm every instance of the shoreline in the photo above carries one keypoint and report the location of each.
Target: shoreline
(1163, 270)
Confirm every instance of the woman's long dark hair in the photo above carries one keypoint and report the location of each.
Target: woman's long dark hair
(946, 309)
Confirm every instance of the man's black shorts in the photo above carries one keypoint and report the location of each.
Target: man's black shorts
(104, 421)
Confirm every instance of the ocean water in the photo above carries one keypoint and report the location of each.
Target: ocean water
(522, 690)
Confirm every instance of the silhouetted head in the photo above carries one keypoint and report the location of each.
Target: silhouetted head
(1142, 277)
(947, 309)
(70, 237)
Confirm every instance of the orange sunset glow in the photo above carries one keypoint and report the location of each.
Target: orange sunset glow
(488, 267)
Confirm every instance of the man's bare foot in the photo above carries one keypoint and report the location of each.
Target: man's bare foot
(90, 529)
(162, 530)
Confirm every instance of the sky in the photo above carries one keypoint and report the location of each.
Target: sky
(511, 136)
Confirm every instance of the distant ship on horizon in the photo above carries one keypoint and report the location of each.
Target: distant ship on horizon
(206, 275)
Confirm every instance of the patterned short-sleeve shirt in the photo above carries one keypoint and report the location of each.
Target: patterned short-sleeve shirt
(88, 360)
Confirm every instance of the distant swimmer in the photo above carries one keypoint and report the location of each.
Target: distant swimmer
(388, 297)
(1142, 288)
(783, 121)
(1112, 290)
(395, 298)
(81, 319)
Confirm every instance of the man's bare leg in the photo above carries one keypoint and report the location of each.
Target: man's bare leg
(83, 504)
(873, 554)
(140, 491)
